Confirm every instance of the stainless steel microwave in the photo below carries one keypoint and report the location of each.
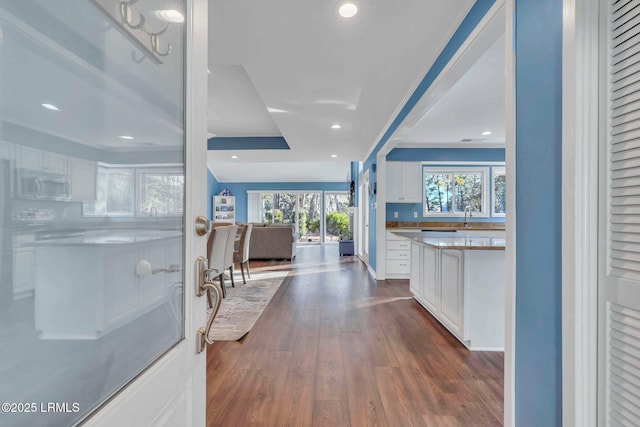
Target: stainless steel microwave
(42, 186)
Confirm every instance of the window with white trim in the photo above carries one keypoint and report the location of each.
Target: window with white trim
(135, 191)
(448, 191)
(498, 201)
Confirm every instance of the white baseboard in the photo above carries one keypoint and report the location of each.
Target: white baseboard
(371, 272)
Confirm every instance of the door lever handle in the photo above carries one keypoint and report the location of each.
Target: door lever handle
(202, 337)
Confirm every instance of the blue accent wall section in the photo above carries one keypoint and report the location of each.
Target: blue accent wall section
(212, 188)
(239, 190)
(447, 154)
(247, 143)
(538, 345)
(468, 24)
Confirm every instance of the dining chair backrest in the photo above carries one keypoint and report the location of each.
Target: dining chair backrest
(245, 239)
(216, 247)
(231, 242)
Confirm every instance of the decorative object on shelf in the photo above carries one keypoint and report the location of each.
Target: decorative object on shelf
(224, 208)
(225, 192)
(144, 29)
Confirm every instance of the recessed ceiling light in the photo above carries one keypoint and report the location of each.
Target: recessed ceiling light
(234, 157)
(169, 15)
(348, 10)
(336, 126)
(486, 132)
(334, 155)
(50, 107)
(125, 137)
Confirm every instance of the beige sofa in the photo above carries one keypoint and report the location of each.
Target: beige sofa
(273, 242)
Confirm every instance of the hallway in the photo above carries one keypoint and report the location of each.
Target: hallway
(336, 348)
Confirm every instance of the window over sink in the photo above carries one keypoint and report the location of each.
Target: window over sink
(448, 191)
(137, 192)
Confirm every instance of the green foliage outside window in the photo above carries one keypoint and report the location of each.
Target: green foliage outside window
(338, 224)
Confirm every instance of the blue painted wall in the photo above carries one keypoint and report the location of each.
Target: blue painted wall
(247, 143)
(212, 188)
(406, 210)
(468, 24)
(447, 154)
(239, 189)
(538, 368)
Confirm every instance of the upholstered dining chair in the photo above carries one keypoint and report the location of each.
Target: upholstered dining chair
(241, 255)
(216, 250)
(230, 248)
(228, 253)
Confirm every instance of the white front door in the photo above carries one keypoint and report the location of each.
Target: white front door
(103, 111)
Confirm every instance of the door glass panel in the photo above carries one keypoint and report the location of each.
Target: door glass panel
(91, 201)
(309, 214)
(337, 217)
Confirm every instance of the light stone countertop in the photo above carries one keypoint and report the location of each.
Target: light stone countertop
(462, 240)
(116, 237)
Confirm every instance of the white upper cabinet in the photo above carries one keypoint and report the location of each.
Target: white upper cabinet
(403, 182)
(83, 175)
(44, 161)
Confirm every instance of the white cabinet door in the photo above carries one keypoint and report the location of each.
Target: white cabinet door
(83, 175)
(415, 280)
(23, 273)
(411, 191)
(394, 177)
(55, 163)
(40, 160)
(430, 279)
(28, 158)
(6, 150)
(452, 290)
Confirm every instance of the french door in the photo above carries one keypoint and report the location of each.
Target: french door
(106, 100)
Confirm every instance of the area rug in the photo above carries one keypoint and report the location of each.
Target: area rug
(244, 304)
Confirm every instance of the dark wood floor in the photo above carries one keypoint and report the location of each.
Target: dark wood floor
(335, 348)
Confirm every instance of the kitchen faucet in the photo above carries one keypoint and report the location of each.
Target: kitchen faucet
(467, 211)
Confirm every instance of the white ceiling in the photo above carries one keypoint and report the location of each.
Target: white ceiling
(227, 171)
(235, 107)
(313, 68)
(475, 104)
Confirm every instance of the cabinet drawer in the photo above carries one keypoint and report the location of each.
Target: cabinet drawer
(391, 237)
(398, 266)
(399, 255)
(403, 245)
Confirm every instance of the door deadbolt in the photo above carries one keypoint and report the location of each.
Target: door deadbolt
(203, 225)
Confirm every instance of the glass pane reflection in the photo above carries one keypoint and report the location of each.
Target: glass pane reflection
(91, 201)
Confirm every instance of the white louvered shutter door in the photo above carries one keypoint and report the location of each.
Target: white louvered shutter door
(620, 276)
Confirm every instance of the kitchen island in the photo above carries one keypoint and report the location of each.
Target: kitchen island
(90, 284)
(458, 277)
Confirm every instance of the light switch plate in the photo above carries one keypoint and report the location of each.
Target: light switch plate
(415, 214)
(395, 214)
